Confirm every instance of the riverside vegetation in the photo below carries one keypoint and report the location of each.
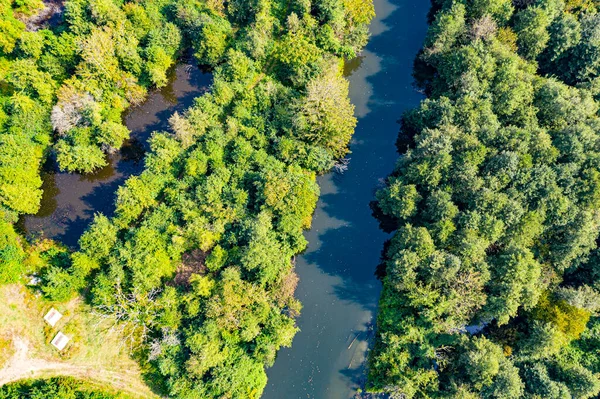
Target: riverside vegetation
(195, 268)
(63, 90)
(492, 279)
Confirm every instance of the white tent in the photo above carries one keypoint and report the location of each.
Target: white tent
(60, 341)
(52, 317)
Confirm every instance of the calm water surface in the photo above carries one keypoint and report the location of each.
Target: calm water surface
(337, 284)
(70, 200)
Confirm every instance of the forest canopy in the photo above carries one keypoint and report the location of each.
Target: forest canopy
(491, 284)
(64, 87)
(196, 264)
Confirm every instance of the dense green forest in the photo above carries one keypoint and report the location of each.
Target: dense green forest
(492, 279)
(56, 388)
(64, 88)
(195, 268)
(74, 79)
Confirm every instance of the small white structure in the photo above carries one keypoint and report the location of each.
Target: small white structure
(60, 341)
(34, 280)
(52, 317)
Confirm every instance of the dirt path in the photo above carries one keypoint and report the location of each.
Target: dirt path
(22, 366)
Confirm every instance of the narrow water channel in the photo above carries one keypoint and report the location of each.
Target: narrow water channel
(70, 200)
(337, 286)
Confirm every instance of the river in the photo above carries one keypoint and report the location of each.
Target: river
(337, 287)
(70, 200)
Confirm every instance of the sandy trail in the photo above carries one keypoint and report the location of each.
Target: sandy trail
(23, 366)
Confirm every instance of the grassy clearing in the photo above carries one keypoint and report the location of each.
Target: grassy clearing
(93, 351)
(21, 316)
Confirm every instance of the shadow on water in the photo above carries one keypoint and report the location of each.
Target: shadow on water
(70, 200)
(338, 286)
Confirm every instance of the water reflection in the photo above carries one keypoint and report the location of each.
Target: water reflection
(337, 284)
(70, 200)
(384, 10)
(361, 90)
(48, 203)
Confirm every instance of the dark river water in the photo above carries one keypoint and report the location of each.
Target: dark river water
(337, 287)
(70, 200)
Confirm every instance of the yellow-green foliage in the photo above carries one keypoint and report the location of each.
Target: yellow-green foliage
(6, 350)
(570, 320)
(11, 254)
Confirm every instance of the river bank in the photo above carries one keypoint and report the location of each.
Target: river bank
(338, 288)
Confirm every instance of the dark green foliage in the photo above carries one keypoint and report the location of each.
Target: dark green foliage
(489, 284)
(56, 388)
